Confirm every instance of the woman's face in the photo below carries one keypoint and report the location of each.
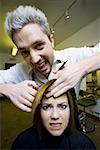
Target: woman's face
(55, 114)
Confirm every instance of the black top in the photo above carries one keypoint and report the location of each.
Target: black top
(29, 139)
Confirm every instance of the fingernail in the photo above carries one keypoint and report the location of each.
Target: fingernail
(47, 95)
(55, 95)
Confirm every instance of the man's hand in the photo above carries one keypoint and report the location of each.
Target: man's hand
(67, 78)
(70, 75)
(22, 94)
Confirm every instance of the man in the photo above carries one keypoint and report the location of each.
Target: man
(29, 30)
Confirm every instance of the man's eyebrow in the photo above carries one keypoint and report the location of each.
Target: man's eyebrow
(38, 42)
(33, 44)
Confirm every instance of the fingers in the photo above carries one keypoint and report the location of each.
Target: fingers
(28, 98)
(22, 95)
(58, 90)
(24, 104)
(55, 84)
(33, 84)
(61, 91)
(24, 108)
(31, 92)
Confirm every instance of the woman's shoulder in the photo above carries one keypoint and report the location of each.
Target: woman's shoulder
(82, 140)
(25, 138)
(28, 133)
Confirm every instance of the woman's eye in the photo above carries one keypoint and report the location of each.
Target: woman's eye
(46, 107)
(62, 106)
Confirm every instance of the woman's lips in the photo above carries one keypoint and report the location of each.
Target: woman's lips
(55, 126)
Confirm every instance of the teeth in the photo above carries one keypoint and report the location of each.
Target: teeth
(55, 124)
(41, 65)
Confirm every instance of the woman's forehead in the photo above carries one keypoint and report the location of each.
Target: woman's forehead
(60, 99)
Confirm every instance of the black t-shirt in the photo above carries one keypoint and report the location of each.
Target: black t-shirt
(29, 139)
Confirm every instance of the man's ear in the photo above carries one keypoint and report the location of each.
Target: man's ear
(52, 40)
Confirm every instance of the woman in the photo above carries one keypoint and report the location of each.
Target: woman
(55, 124)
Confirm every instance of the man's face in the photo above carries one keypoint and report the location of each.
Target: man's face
(35, 47)
(55, 114)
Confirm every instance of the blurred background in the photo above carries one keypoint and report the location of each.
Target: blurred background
(74, 23)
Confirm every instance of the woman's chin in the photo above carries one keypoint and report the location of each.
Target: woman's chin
(56, 133)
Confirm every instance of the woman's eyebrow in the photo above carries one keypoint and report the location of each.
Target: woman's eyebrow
(49, 104)
(62, 103)
(57, 103)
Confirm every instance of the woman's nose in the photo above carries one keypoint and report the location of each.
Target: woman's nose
(55, 114)
(35, 57)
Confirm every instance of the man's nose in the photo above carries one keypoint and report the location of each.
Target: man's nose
(55, 114)
(35, 57)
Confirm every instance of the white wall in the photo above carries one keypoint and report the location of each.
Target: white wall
(89, 35)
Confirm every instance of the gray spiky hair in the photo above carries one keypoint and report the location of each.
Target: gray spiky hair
(23, 15)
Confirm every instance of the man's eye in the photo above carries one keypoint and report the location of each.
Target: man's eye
(46, 107)
(40, 46)
(25, 53)
(62, 106)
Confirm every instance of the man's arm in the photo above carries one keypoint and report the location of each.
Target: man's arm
(69, 76)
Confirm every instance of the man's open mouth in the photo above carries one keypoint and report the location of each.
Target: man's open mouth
(42, 66)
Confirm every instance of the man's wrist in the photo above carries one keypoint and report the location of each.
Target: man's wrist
(4, 89)
(91, 64)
